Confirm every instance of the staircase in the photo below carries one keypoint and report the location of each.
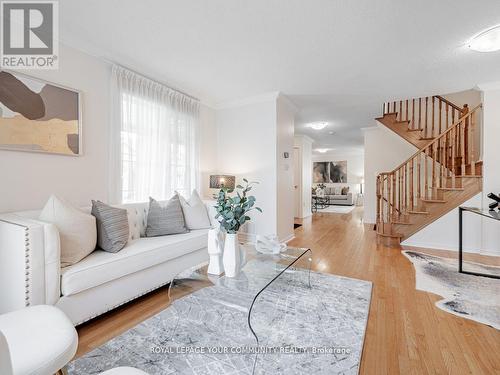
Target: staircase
(444, 172)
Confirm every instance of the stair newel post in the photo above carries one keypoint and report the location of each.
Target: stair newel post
(426, 173)
(434, 164)
(447, 116)
(412, 162)
(400, 114)
(462, 146)
(419, 113)
(394, 107)
(413, 113)
(406, 113)
(419, 193)
(426, 133)
(472, 140)
(453, 155)
(465, 112)
(393, 182)
(440, 115)
(433, 114)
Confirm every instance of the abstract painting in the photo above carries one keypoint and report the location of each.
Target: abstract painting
(338, 171)
(38, 116)
(330, 172)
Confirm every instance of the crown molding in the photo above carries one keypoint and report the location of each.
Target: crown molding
(304, 137)
(288, 102)
(489, 86)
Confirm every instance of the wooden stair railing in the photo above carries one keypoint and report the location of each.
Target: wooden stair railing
(438, 165)
(431, 115)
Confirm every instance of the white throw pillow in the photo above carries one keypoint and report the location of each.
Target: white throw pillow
(195, 212)
(77, 230)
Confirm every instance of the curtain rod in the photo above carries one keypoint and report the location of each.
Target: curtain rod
(152, 79)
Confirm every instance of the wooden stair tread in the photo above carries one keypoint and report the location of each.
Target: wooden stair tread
(415, 130)
(401, 223)
(419, 212)
(450, 189)
(433, 200)
(391, 235)
(427, 138)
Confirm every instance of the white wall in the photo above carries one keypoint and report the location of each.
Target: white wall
(304, 144)
(384, 151)
(29, 178)
(246, 143)
(355, 166)
(491, 159)
(285, 129)
(208, 149)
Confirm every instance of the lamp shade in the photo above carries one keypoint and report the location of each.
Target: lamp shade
(221, 180)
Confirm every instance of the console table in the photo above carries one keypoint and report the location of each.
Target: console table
(495, 215)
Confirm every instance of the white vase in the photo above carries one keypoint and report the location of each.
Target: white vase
(215, 249)
(232, 255)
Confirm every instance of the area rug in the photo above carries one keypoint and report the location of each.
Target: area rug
(337, 209)
(301, 330)
(471, 297)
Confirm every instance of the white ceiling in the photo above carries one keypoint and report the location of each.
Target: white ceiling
(338, 60)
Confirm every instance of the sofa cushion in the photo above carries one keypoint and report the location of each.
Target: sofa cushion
(165, 218)
(77, 230)
(338, 197)
(195, 212)
(101, 267)
(112, 226)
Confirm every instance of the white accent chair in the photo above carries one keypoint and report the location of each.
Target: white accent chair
(41, 340)
(36, 340)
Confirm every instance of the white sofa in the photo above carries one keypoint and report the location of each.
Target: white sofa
(30, 271)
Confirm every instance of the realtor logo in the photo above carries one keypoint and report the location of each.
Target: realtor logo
(29, 34)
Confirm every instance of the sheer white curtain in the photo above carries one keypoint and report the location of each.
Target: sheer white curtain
(154, 139)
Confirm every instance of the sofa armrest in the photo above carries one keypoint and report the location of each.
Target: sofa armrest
(29, 262)
(350, 198)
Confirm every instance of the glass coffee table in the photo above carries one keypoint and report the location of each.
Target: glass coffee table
(258, 273)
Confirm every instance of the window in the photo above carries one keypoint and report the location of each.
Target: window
(157, 131)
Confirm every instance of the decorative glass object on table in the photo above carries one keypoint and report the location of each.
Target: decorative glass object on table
(261, 274)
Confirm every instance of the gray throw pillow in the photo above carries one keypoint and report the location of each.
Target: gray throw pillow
(165, 219)
(112, 226)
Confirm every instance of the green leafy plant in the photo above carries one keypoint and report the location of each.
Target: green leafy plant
(232, 210)
(321, 186)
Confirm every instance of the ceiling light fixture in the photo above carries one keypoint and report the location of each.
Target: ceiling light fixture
(317, 125)
(486, 41)
(322, 150)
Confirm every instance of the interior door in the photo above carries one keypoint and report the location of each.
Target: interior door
(297, 181)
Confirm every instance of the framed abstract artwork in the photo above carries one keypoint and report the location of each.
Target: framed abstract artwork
(330, 172)
(38, 116)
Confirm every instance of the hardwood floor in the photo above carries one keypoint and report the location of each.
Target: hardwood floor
(406, 333)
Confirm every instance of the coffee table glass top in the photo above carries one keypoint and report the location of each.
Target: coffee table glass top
(258, 273)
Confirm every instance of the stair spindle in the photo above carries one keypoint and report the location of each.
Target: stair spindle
(426, 133)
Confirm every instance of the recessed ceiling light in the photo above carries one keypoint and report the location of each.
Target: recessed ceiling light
(317, 125)
(487, 41)
(330, 132)
(322, 150)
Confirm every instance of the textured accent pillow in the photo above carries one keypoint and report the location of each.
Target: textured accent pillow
(195, 212)
(165, 219)
(112, 226)
(77, 230)
(345, 190)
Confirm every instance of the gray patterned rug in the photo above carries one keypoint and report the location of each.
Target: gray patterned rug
(471, 297)
(304, 331)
